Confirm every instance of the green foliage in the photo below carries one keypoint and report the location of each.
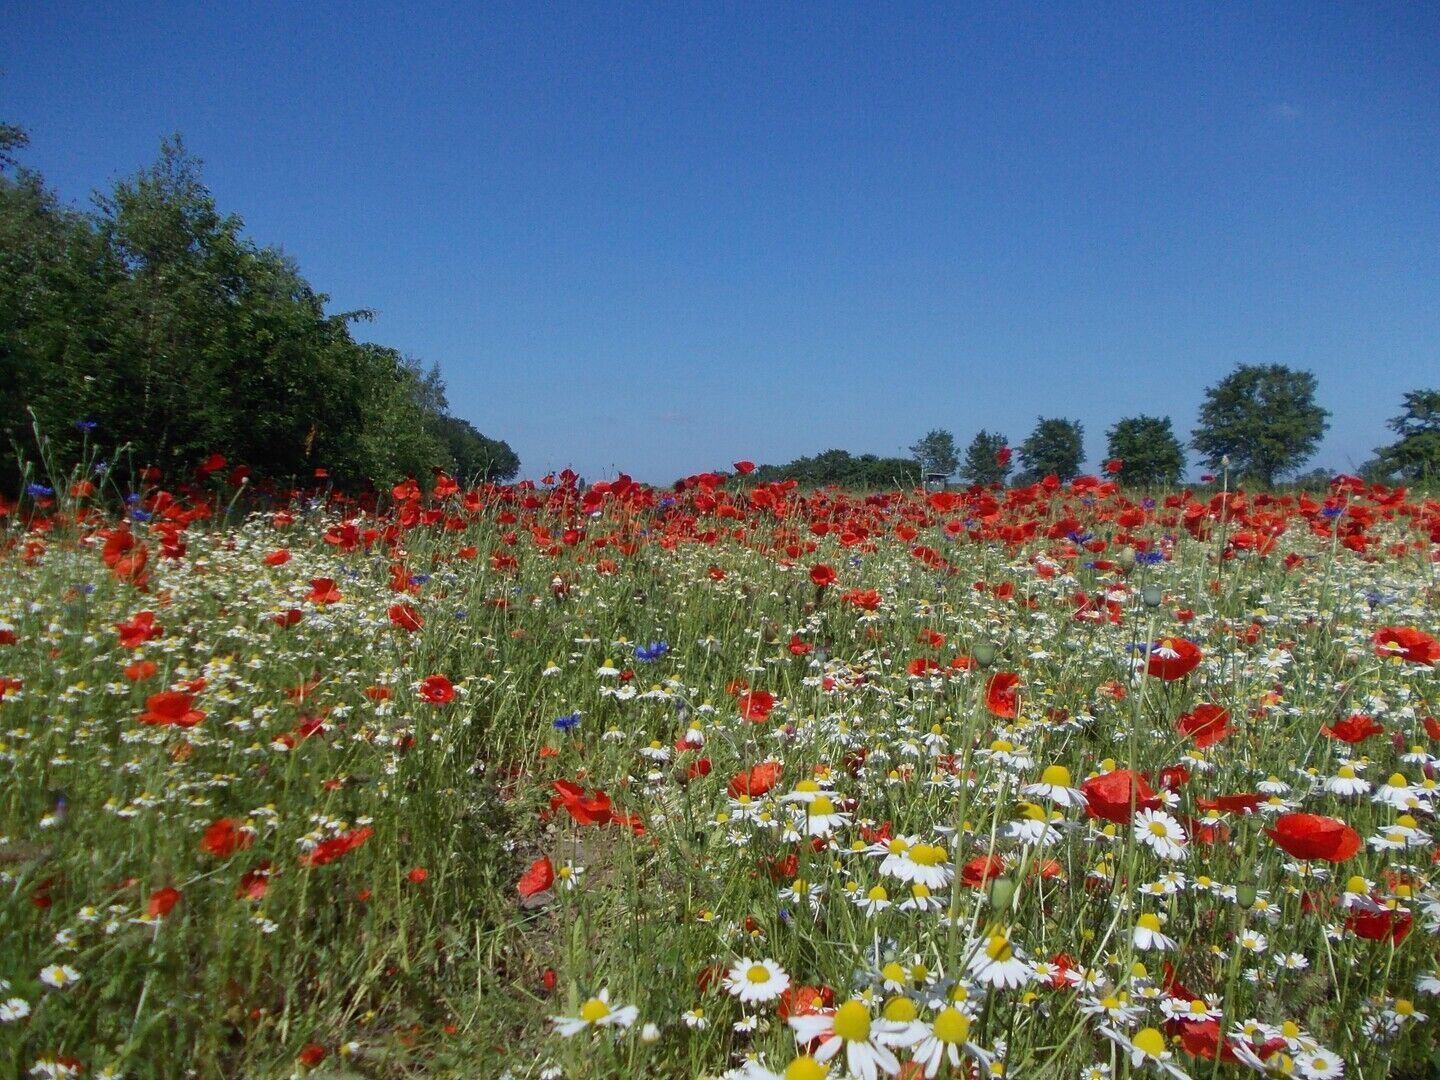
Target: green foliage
(154, 319)
(982, 464)
(844, 469)
(1056, 447)
(936, 452)
(1415, 456)
(1264, 419)
(1148, 450)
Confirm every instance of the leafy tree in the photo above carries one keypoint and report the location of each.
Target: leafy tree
(982, 463)
(844, 469)
(1264, 418)
(1148, 450)
(1055, 447)
(936, 453)
(1416, 454)
(12, 138)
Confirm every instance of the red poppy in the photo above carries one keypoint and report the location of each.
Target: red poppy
(1173, 658)
(1207, 724)
(327, 851)
(312, 1055)
(417, 875)
(756, 705)
(437, 689)
(406, 617)
(140, 670)
(803, 1001)
(139, 629)
(981, 869)
(1384, 925)
(277, 558)
(254, 882)
(755, 781)
(1002, 694)
(289, 618)
(225, 837)
(537, 879)
(1116, 795)
(823, 575)
(170, 708)
(1310, 836)
(1244, 803)
(744, 468)
(1407, 642)
(1355, 728)
(1002, 456)
(323, 591)
(162, 902)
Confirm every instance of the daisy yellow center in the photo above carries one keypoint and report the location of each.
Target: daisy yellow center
(1398, 780)
(1290, 1029)
(878, 893)
(822, 806)
(1404, 1006)
(893, 972)
(1157, 828)
(807, 785)
(1345, 772)
(919, 973)
(1056, 776)
(927, 854)
(594, 1010)
(999, 948)
(1111, 1002)
(758, 973)
(898, 846)
(1356, 884)
(1199, 1008)
(1149, 921)
(1031, 811)
(920, 890)
(1002, 745)
(852, 1022)
(805, 1068)
(901, 1009)
(1406, 821)
(951, 1026)
(1150, 1042)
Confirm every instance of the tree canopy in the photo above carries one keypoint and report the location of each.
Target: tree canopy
(1148, 451)
(936, 453)
(1415, 456)
(983, 462)
(1264, 419)
(152, 323)
(1056, 447)
(845, 469)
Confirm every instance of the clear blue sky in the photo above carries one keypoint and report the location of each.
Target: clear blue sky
(662, 238)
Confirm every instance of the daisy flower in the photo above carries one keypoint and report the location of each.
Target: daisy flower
(1346, 782)
(756, 980)
(15, 1008)
(947, 1039)
(59, 976)
(1146, 1046)
(1319, 1064)
(1055, 785)
(1161, 833)
(872, 902)
(596, 1012)
(996, 962)
(866, 1041)
(1147, 935)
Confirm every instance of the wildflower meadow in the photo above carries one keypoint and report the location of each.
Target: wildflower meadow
(728, 779)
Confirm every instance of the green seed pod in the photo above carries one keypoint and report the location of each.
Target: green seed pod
(1002, 892)
(1246, 895)
(985, 653)
(1152, 596)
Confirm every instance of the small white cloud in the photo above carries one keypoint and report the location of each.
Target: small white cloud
(1283, 110)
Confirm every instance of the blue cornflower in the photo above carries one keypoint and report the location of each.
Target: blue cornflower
(132, 498)
(101, 468)
(86, 425)
(1148, 503)
(1149, 558)
(419, 579)
(1078, 537)
(565, 723)
(39, 491)
(138, 514)
(1330, 513)
(654, 651)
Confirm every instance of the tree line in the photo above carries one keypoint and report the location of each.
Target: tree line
(1260, 422)
(150, 329)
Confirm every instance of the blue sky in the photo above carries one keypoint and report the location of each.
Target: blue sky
(661, 238)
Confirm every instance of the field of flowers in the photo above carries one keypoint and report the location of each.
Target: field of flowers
(721, 780)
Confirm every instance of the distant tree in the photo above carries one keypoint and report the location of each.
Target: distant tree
(12, 138)
(936, 453)
(1264, 418)
(1055, 447)
(982, 464)
(842, 468)
(1416, 454)
(1147, 449)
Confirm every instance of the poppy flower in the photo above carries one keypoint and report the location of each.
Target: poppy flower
(1002, 456)
(1311, 836)
(254, 882)
(139, 629)
(1408, 643)
(327, 851)
(140, 670)
(162, 902)
(323, 591)
(1381, 925)
(1172, 658)
(170, 708)
(755, 706)
(406, 617)
(537, 879)
(437, 689)
(744, 468)
(417, 875)
(981, 869)
(756, 780)
(823, 575)
(1117, 795)
(1355, 728)
(1002, 694)
(1207, 724)
(312, 1055)
(225, 837)
(277, 558)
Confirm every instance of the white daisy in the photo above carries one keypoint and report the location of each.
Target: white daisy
(866, 1041)
(1161, 833)
(995, 961)
(1147, 935)
(598, 1013)
(756, 980)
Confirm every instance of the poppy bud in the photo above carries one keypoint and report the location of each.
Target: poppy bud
(1152, 596)
(1126, 557)
(1245, 895)
(985, 653)
(1001, 892)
